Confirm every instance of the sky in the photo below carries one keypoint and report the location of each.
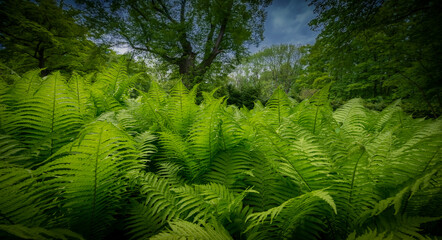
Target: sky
(287, 22)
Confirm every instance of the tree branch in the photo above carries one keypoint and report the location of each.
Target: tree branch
(163, 10)
(148, 49)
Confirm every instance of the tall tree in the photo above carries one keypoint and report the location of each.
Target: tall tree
(188, 34)
(43, 32)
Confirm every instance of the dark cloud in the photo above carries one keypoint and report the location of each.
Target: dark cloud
(287, 22)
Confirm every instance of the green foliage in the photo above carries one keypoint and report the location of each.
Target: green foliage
(35, 233)
(194, 38)
(379, 50)
(161, 166)
(45, 34)
(258, 76)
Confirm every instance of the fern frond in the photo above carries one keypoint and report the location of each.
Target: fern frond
(110, 87)
(371, 235)
(203, 202)
(159, 205)
(400, 227)
(156, 95)
(27, 85)
(297, 155)
(48, 120)
(279, 106)
(12, 151)
(291, 215)
(405, 195)
(38, 233)
(89, 176)
(113, 81)
(228, 167)
(82, 96)
(175, 148)
(390, 116)
(172, 172)
(145, 144)
(418, 154)
(353, 118)
(152, 106)
(272, 188)
(187, 230)
(205, 135)
(127, 121)
(314, 113)
(182, 108)
(18, 201)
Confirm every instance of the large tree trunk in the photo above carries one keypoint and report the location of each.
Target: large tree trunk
(186, 69)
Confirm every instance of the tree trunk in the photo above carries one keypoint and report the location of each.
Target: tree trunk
(42, 62)
(186, 69)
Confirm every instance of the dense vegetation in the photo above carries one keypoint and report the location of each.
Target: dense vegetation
(81, 159)
(190, 136)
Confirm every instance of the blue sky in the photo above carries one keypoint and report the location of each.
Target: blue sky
(287, 22)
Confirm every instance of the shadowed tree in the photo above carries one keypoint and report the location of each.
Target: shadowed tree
(43, 33)
(383, 47)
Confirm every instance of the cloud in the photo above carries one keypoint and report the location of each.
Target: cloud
(287, 22)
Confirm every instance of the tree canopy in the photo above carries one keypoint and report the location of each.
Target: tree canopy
(43, 34)
(382, 48)
(190, 35)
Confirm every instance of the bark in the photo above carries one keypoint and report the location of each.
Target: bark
(42, 62)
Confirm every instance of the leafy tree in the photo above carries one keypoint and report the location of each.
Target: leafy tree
(191, 35)
(277, 65)
(42, 34)
(382, 48)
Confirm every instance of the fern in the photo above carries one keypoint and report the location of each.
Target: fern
(82, 96)
(110, 87)
(272, 189)
(158, 205)
(88, 176)
(176, 149)
(19, 200)
(398, 227)
(228, 167)
(279, 106)
(47, 120)
(81, 156)
(187, 230)
(12, 151)
(291, 215)
(353, 118)
(314, 116)
(37, 233)
(182, 108)
(205, 135)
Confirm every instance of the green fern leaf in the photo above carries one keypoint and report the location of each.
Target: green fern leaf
(186, 230)
(353, 118)
(205, 135)
(279, 106)
(82, 96)
(182, 108)
(37, 233)
(290, 215)
(89, 175)
(228, 167)
(48, 120)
